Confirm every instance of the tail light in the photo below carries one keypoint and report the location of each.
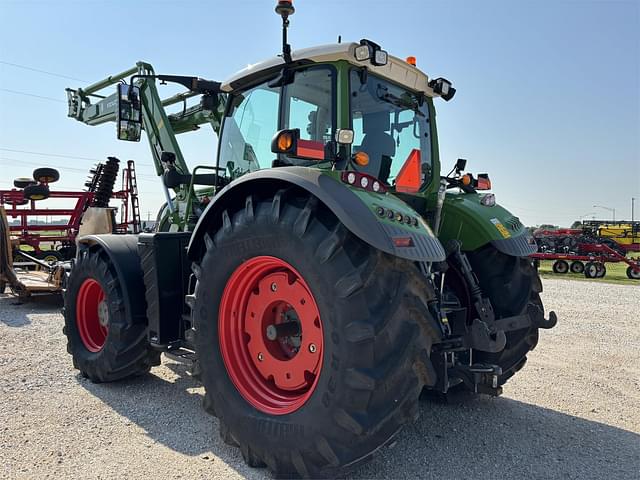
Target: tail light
(483, 182)
(363, 181)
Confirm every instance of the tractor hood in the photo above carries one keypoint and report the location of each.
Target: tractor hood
(466, 219)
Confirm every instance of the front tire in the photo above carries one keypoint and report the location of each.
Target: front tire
(364, 311)
(106, 344)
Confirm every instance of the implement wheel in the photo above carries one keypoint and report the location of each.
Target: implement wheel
(46, 175)
(36, 192)
(602, 270)
(23, 182)
(560, 266)
(633, 274)
(105, 342)
(313, 346)
(591, 270)
(577, 267)
(50, 256)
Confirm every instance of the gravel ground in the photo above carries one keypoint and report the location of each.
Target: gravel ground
(571, 413)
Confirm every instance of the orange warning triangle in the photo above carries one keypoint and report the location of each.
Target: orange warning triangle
(409, 178)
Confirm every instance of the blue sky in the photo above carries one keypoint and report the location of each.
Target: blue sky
(548, 95)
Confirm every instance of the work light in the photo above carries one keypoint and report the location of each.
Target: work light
(362, 53)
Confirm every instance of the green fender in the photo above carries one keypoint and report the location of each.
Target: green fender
(365, 214)
(466, 219)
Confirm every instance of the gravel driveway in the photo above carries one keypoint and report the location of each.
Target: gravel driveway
(573, 412)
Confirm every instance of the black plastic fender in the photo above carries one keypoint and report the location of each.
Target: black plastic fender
(519, 246)
(352, 212)
(123, 255)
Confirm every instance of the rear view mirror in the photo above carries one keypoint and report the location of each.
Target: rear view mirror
(129, 114)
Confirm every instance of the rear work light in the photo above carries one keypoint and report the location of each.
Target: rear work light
(363, 181)
(488, 200)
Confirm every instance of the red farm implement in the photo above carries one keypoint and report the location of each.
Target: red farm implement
(55, 240)
(590, 260)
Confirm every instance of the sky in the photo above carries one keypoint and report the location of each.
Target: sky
(548, 91)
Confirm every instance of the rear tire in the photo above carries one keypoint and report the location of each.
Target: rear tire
(104, 342)
(376, 337)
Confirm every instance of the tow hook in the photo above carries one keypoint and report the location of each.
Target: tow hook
(538, 320)
(550, 322)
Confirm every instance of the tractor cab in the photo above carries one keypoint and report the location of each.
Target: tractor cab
(347, 106)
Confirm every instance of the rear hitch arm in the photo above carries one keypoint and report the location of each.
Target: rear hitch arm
(490, 337)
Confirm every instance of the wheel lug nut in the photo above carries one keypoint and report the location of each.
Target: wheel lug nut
(274, 287)
(260, 357)
(312, 348)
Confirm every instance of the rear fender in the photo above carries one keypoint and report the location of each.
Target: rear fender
(356, 210)
(465, 219)
(122, 251)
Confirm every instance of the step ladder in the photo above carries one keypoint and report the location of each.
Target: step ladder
(132, 189)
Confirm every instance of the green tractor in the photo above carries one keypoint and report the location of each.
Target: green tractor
(323, 274)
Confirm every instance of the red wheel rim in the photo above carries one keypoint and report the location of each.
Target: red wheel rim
(264, 298)
(89, 306)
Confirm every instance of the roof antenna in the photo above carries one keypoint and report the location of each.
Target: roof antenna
(284, 8)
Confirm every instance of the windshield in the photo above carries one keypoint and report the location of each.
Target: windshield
(389, 123)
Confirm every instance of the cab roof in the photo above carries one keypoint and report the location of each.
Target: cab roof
(396, 69)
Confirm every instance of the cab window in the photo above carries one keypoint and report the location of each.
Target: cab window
(308, 106)
(245, 142)
(390, 123)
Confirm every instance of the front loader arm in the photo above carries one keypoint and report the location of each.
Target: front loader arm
(89, 106)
